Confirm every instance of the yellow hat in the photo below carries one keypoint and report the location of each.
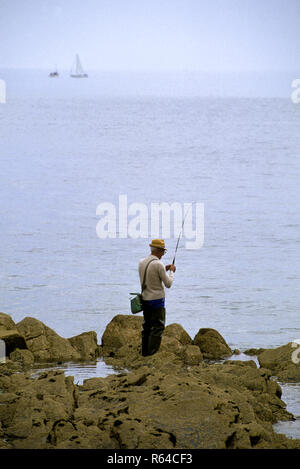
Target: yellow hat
(158, 243)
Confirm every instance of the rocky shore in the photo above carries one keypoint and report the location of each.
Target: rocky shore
(191, 394)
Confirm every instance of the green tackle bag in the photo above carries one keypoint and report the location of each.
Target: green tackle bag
(136, 301)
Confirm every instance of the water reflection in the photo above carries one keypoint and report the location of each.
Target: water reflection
(80, 370)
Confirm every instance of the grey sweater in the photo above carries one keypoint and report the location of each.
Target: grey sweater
(156, 278)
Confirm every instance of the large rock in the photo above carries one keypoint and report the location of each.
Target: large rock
(86, 345)
(121, 345)
(125, 330)
(284, 361)
(178, 332)
(122, 330)
(175, 339)
(212, 344)
(45, 343)
(170, 345)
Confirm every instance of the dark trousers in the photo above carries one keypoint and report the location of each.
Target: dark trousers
(153, 327)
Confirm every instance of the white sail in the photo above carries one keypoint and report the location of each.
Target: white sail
(77, 70)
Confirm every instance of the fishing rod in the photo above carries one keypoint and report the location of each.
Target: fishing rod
(181, 233)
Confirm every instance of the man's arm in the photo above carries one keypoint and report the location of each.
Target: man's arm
(166, 279)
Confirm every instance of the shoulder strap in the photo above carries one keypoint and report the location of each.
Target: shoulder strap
(143, 284)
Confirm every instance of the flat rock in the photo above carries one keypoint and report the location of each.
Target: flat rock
(31, 409)
(213, 407)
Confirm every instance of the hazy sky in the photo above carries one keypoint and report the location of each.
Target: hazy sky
(209, 35)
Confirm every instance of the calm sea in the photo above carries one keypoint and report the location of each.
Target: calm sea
(66, 147)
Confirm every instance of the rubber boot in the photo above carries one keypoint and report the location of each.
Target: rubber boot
(153, 344)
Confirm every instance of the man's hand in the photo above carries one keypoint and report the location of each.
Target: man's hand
(171, 267)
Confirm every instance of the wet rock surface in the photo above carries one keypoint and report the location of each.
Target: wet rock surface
(176, 398)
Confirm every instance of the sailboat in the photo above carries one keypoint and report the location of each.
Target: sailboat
(77, 69)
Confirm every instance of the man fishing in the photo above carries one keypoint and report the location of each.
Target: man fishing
(153, 278)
